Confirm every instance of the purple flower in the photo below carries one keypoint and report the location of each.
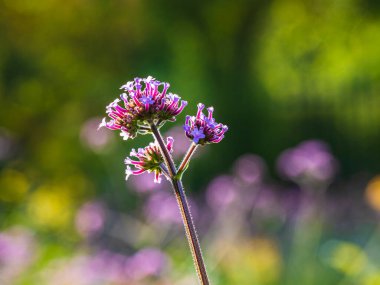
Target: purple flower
(143, 102)
(17, 251)
(250, 169)
(146, 262)
(161, 208)
(95, 140)
(142, 183)
(197, 134)
(310, 161)
(146, 100)
(201, 129)
(90, 219)
(149, 159)
(221, 192)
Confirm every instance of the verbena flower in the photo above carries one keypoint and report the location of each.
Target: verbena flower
(143, 102)
(148, 159)
(203, 129)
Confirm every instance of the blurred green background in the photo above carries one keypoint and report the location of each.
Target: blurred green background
(278, 72)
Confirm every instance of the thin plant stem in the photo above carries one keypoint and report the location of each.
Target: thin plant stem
(186, 158)
(165, 170)
(164, 151)
(180, 195)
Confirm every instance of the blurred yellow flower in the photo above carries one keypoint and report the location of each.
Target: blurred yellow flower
(13, 186)
(51, 207)
(346, 257)
(257, 261)
(372, 279)
(372, 193)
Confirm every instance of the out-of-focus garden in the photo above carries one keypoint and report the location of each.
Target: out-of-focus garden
(290, 196)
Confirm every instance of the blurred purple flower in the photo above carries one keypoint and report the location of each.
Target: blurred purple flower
(17, 249)
(268, 208)
(221, 192)
(103, 260)
(146, 262)
(75, 271)
(143, 183)
(162, 207)
(310, 161)
(250, 169)
(90, 219)
(114, 268)
(118, 268)
(103, 267)
(107, 267)
(90, 137)
(201, 129)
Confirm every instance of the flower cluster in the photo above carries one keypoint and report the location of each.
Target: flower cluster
(143, 103)
(203, 129)
(146, 109)
(148, 159)
(143, 108)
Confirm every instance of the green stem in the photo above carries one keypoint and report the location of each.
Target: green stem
(180, 195)
(186, 159)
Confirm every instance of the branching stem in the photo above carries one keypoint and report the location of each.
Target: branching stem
(183, 205)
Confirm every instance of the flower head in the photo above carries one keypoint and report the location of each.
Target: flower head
(203, 129)
(144, 100)
(148, 159)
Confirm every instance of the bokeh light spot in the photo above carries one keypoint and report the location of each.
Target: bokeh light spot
(372, 193)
